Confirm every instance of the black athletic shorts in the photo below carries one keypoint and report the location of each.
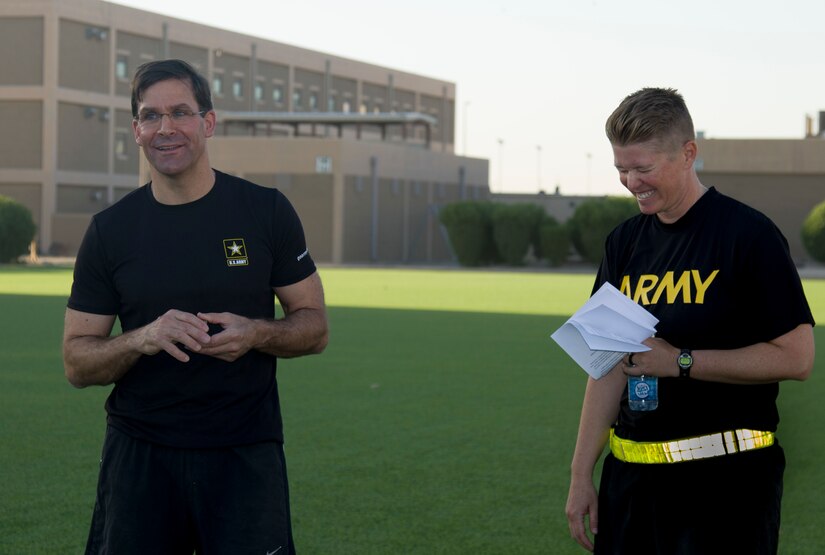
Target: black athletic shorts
(722, 505)
(163, 500)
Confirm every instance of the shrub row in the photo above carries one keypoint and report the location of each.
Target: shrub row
(480, 232)
(484, 233)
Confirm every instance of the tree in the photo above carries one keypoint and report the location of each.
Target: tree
(554, 241)
(515, 228)
(469, 226)
(813, 233)
(594, 219)
(17, 229)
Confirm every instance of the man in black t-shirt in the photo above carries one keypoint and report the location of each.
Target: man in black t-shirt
(191, 265)
(702, 473)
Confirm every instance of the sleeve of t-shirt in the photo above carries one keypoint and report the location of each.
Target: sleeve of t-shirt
(607, 267)
(292, 261)
(93, 290)
(601, 277)
(775, 287)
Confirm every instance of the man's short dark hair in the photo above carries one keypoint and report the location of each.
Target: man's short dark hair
(651, 114)
(161, 70)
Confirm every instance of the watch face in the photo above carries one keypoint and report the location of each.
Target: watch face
(685, 360)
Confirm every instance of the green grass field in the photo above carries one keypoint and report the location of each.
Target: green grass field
(441, 419)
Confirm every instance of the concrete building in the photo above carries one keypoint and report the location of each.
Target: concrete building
(364, 152)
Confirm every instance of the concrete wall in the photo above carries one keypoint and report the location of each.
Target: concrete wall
(370, 202)
(22, 36)
(22, 137)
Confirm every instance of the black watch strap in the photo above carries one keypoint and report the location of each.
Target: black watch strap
(685, 362)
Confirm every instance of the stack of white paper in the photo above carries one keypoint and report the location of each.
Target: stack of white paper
(606, 328)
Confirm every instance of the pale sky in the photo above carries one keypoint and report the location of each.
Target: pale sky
(541, 76)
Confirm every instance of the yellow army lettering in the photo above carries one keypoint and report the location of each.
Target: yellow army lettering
(652, 284)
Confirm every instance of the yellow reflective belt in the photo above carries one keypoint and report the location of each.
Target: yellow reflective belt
(690, 448)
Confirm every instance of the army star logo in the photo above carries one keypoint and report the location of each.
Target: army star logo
(235, 251)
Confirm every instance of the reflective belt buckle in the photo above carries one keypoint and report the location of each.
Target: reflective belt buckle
(690, 448)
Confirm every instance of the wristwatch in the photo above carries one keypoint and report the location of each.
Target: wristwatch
(685, 361)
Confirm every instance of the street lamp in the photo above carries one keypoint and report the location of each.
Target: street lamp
(589, 158)
(501, 165)
(464, 126)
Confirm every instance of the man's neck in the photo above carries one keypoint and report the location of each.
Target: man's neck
(182, 189)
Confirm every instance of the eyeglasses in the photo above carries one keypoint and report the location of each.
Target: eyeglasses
(179, 116)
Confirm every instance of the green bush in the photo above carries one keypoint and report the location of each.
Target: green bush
(554, 242)
(17, 229)
(594, 219)
(470, 228)
(537, 216)
(813, 233)
(515, 228)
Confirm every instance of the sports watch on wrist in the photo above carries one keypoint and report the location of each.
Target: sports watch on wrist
(685, 361)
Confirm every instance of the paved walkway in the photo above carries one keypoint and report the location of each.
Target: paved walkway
(812, 270)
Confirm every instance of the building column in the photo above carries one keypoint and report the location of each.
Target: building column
(375, 204)
(338, 193)
(48, 187)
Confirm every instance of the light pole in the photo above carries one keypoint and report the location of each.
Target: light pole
(501, 165)
(538, 168)
(464, 126)
(589, 158)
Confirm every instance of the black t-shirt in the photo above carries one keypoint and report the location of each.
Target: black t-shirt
(221, 253)
(721, 277)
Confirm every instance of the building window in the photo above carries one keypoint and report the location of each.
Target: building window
(122, 67)
(237, 88)
(259, 92)
(297, 98)
(331, 103)
(313, 101)
(96, 33)
(217, 85)
(121, 138)
(277, 94)
(345, 107)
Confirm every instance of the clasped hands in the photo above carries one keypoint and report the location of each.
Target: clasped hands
(176, 330)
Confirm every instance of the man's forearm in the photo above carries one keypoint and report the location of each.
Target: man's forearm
(303, 332)
(91, 360)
